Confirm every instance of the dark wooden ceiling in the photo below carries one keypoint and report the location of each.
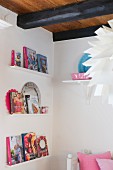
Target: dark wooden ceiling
(66, 19)
(26, 6)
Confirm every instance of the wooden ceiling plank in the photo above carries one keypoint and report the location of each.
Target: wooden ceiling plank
(53, 28)
(39, 5)
(82, 10)
(26, 6)
(59, 3)
(101, 20)
(63, 26)
(14, 5)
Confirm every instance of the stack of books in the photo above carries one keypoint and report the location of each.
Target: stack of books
(29, 60)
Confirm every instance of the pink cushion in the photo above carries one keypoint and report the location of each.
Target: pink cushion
(105, 164)
(88, 162)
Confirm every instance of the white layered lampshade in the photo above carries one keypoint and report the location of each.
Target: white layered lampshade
(101, 62)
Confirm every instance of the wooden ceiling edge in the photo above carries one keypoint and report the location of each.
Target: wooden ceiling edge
(72, 12)
(74, 34)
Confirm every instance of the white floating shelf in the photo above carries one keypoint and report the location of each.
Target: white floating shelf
(14, 115)
(75, 81)
(26, 162)
(30, 71)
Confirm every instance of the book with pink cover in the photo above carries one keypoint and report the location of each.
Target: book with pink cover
(30, 59)
(80, 76)
(12, 58)
(14, 150)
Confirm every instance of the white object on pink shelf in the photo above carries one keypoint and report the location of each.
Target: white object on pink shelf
(80, 76)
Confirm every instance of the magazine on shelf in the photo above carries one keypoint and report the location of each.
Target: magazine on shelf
(29, 146)
(33, 105)
(26, 98)
(30, 59)
(42, 146)
(14, 150)
(17, 103)
(16, 58)
(42, 63)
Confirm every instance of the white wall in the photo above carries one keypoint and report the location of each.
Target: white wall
(41, 41)
(78, 125)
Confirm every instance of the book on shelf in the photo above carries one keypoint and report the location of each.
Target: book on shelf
(14, 150)
(30, 60)
(42, 63)
(25, 147)
(17, 103)
(42, 146)
(26, 98)
(33, 105)
(29, 146)
(16, 58)
(21, 104)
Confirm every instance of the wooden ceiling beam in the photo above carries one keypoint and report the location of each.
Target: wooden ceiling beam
(76, 11)
(78, 33)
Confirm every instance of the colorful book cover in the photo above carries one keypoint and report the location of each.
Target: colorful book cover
(42, 63)
(29, 146)
(14, 150)
(17, 103)
(33, 105)
(30, 59)
(16, 59)
(42, 146)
